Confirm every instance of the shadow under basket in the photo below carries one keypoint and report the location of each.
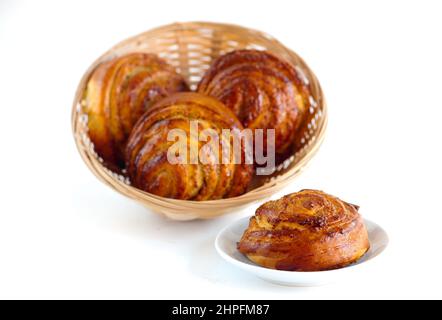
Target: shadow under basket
(190, 48)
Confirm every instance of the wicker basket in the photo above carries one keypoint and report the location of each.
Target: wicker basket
(191, 47)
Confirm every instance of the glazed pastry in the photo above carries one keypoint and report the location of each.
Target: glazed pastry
(118, 93)
(150, 169)
(305, 231)
(264, 91)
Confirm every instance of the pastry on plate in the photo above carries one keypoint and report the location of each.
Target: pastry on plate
(184, 117)
(264, 91)
(117, 94)
(305, 231)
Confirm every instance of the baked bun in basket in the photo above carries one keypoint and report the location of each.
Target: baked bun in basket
(117, 94)
(147, 153)
(305, 231)
(264, 91)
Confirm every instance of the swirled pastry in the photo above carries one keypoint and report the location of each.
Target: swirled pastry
(264, 91)
(305, 231)
(117, 94)
(149, 146)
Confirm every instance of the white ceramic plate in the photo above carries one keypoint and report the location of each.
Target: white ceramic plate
(227, 239)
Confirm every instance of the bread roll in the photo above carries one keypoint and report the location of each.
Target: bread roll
(147, 151)
(117, 94)
(264, 91)
(305, 231)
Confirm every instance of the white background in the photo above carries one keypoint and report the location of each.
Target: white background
(63, 234)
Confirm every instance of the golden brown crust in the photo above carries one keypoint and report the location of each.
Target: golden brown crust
(147, 147)
(117, 94)
(305, 231)
(264, 91)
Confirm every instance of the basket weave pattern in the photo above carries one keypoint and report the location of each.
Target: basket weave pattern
(190, 48)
